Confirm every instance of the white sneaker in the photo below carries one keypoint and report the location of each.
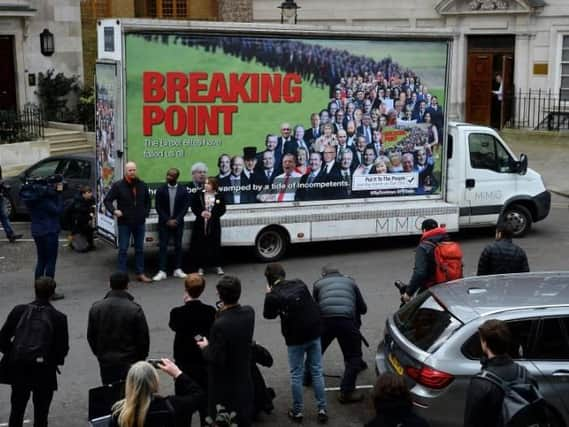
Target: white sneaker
(219, 271)
(161, 275)
(179, 273)
(200, 271)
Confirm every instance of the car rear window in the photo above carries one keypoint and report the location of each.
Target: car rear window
(425, 322)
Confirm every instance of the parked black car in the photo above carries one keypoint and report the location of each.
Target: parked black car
(77, 170)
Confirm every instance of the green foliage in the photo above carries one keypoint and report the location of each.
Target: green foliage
(86, 108)
(52, 91)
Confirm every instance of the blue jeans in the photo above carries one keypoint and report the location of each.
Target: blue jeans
(4, 220)
(166, 233)
(137, 232)
(46, 247)
(313, 353)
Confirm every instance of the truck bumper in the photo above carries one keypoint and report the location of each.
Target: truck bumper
(543, 205)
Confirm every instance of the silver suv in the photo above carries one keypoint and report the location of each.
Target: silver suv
(433, 341)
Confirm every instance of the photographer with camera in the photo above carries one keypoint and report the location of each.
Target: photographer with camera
(44, 200)
(10, 235)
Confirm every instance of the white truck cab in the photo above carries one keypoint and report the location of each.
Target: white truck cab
(486, 181)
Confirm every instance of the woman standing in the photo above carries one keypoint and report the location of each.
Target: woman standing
(208, 207)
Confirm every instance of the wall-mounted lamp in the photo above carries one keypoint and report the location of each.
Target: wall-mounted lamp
(46, 42)
(288, 12)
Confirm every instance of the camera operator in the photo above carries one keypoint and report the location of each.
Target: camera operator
(44, 200)
(10, 235)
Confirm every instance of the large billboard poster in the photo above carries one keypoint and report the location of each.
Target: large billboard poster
(106, 109)
(279, 120)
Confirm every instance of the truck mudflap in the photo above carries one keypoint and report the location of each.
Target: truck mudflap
(543, 205)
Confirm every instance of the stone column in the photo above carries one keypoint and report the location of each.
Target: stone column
(235, 10)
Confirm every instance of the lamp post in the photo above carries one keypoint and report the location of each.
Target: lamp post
(288, 12)
(46, 43)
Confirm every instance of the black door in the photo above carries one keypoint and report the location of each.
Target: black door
(7, 74)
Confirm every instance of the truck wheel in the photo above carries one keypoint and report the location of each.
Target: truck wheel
(9, 207)
(520, 219)
(271, 245)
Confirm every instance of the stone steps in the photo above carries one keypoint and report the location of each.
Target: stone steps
(62, 141)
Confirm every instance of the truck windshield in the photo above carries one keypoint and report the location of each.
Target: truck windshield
(425, 322)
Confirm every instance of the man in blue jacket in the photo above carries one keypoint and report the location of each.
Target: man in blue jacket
(44, 201)
(172, 201)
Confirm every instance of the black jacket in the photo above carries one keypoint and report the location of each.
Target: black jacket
(424, 269)
(191, 319)
(483, 398)
(300, 326)
(173, 411)
(117, 330)
(394, 413)
(33, 375)
(229, 362)
(80, 212)
(502, 257)
(132, 199)
(181, 204)
(339, 296)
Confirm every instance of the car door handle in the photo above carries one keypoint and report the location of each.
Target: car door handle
(561, 373)
(470, 183)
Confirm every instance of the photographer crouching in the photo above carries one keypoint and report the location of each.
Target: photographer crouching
(10, 235)
(44, 200)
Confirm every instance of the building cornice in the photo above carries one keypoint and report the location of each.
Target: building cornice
(487, 7)
(16, 10)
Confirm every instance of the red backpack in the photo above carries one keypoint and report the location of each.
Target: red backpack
(448, 261)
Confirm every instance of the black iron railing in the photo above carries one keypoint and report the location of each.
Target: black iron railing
(24, 125)
(539, 109)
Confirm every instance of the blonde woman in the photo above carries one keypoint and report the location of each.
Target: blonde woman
(143, 407)
(327, 138)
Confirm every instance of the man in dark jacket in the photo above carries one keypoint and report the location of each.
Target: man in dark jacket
(172, 203)
(190, 321)
(341, 305)
(39, 376)
(44, 201)
(132, 207)
(424, 269)
(484, 398)
(228, 354)
(117, 331)
(300, 326)
(503, 256)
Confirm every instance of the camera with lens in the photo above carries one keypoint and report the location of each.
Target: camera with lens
(40, 187)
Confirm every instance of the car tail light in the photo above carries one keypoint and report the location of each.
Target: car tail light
(429, 377)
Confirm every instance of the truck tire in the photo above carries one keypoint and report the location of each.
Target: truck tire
(520, 218)
(271, 244)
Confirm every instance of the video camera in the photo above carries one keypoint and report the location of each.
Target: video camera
(402, 288)
(40, 187)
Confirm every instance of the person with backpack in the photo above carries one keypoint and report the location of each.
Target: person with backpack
(34, 342)
(437, 260)
(502, 256)
(503, 393)
(300, 326)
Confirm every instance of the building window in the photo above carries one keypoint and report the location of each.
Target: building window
(167, 8)
(564, 87)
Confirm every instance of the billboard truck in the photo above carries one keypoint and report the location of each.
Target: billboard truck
(313, 133)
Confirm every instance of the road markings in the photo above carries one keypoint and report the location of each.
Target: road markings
(358, 387)
(31, 240)
(6, 424)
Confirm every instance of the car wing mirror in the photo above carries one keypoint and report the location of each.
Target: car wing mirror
(523, 164)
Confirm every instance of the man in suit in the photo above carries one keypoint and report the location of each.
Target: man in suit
(420, 113)
(311, 134)
(271, 144)
(199, 175)
(228, 354)
(346, 172)
(331, 172)
(376, 143)
(38, 376)
(234, 186)
(307, 190)
(171, 202)
(224, 165)
(351, 133)
(297, 142)
(268, 169)
(365, 128)
(437, 115)
(359, 150)
(366, 166)
(285, 139)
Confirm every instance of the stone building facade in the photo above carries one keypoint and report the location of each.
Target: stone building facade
(526, 41)
(21, 59)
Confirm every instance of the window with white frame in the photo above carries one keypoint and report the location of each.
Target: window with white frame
(564, 86)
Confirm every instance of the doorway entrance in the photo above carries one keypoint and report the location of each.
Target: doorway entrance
(490, 80)
(7, 74)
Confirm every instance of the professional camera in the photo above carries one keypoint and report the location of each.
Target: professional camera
(402, 288)
(39, 187)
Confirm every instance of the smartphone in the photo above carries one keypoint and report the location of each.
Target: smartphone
(198, 337)
(157, 363)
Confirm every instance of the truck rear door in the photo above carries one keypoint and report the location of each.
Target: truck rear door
(490, 177)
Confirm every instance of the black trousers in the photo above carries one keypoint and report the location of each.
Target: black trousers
(346, 331)
(114, 373)
(41, 398)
